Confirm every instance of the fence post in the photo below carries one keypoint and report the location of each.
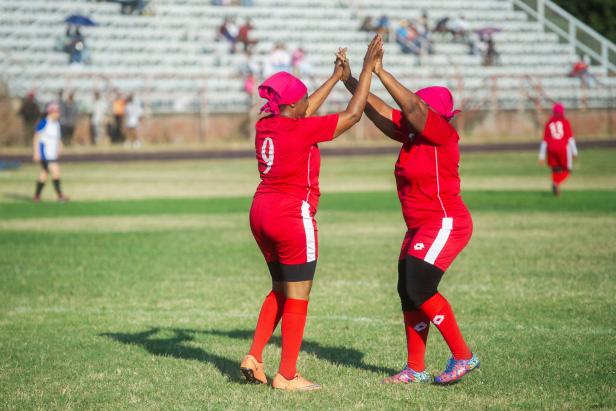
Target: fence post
(604, 57)
(541, 13)
(572, 35)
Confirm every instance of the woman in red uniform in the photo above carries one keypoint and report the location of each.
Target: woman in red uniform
(438, 223)
(558, 146)
(284, 206)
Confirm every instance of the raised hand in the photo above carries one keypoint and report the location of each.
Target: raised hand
(346, 68)
(341, 59)
(378, 67)
(374, 51)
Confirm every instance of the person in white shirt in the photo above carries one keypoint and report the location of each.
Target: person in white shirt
(132, 120)
(100, 108)
(46, 150)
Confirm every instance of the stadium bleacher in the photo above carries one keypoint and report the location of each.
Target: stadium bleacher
(171, 58)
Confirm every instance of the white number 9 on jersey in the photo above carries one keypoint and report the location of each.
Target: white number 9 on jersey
(267, 154)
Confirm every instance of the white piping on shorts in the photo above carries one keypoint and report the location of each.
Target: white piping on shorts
(440, 240)
(311, 250)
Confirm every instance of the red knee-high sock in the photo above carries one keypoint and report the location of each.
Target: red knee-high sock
(417, 326)
(269, 317)
(437, 308)
(293, 322)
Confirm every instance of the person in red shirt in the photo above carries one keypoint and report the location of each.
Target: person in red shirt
(559, 146)
(438, 223)
(285, 203)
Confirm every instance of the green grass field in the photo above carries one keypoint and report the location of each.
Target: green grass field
(143, 292)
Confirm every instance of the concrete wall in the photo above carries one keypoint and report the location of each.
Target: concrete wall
(475, 127)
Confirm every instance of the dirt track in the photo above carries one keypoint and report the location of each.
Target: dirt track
(230, 154)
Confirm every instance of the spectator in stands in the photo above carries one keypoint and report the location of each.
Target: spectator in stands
(278, 59)
(68, 117)
(301, 67)
(383, 27)
(98, 119)
(118, 108)
(75, 45)
(367, 25)
(244, 37)
(490, 57)
(30, 114)
(442, 25)
(230, 32)
(132, 6)
(408, 38)
(459, 28)
(132, 117)
(580, 69)
(424, 24)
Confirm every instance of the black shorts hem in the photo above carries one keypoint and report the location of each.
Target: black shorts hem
(292, 272)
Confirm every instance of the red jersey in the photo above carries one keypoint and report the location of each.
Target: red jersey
(557, 133)
(427, 170)
(288, 155)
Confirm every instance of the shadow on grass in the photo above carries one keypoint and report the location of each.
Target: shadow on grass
(18, 197)
(176, 346)
(175, 343)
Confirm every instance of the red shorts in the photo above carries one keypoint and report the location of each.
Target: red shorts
(560, 159)
(284, 228)
(438, 242)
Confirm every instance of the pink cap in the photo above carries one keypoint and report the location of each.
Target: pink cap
(558, 109)
(281, 88)
(439, 99)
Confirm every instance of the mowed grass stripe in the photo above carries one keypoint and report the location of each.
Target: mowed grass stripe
(506, 201)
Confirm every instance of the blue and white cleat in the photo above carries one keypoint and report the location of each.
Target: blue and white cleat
(456, 370)
(408, 376)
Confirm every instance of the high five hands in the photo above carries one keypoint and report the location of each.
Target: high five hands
(373, 59)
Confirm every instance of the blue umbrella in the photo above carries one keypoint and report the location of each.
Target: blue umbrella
(79, 20)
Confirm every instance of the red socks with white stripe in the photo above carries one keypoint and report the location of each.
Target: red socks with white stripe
(293, 322)
(416, 325)
(269, 317)
(437, 308)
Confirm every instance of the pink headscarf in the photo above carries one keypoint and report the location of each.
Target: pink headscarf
(558, 109)
(440, 99)
(281, 88)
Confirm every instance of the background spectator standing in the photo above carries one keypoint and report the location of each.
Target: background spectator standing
(230, 32)
(580, 69)
(244, 37)
(132, 116)
(75, 45)
(98, 119)
(490, 57)
(278, 59)
(367, 25)
(68, 117)
(118, 108)
(459, 28)
(30, 114)
(382, 27)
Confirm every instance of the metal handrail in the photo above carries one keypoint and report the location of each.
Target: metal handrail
(571, 34)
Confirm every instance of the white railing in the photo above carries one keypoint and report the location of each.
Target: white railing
(545, 10)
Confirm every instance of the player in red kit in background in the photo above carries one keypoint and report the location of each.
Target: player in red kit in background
(285, 203)
(438, 223)
(558, 146)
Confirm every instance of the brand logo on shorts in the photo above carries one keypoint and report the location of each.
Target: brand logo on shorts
(419, 246)
(419, 327)
(437, 320)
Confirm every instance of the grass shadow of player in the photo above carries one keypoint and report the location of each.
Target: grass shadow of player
(176, 346)
(18, 197)
(345, 356)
